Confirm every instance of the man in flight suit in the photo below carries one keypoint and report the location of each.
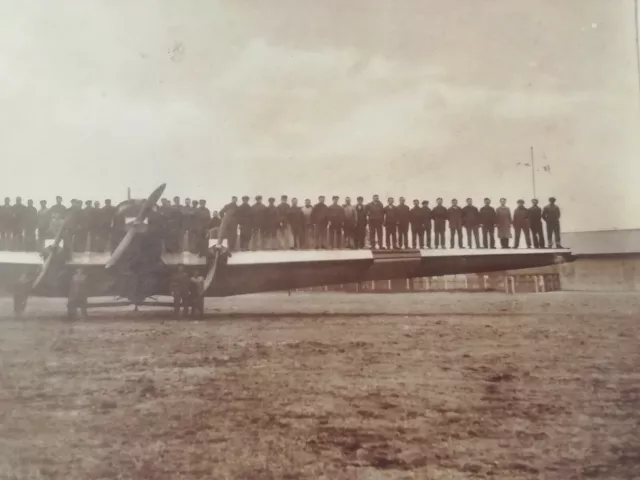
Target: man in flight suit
(488, 221)
(551, 215)
(402, 211)
(244, 223)
(336, 222)
(521, 224)
(471, 221)
(320, 218)
(454, 215)
(375, 218)
(391, 225)
(535, 224)
(439, 215)
(417, 225)
(361, 223)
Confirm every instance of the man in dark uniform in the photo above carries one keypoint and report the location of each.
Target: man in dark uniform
(244, 223)
(58, 208)
(488, 221)
(336, 222)
(107, 216)
(391, 225)
(471, 221)
(521, 224)
(272, 222)
(78, 295)
(203, 216)
(551, 215)
(231, 234)
(180, 290)
(454, 215)
(44, 220)
(189, 225)
(402, 212)
(417, 225)
(535, 224)
(30, 226)
(427, 219)
(283, 227)
(6, 224)
(91, 221)
(196, 297)
(296, 221)
(258, 224)
(320, 218)
(173, 222)
(361, 223)
(375, 218)
(19, 220)
(439, 215)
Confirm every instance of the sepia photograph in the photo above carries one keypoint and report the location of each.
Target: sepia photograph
(329, 239)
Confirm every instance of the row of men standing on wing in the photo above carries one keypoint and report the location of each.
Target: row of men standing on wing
(285, 225)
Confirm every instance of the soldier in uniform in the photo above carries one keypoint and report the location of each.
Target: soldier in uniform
(551, 215)
(19, 220)
(107, 217)
(203, 216)
(44, 220)
(258, 222)
(214, 225)
(272, 222)
(391, 225)
(488, 221)
(58, 208)
(535, 224)
(78, 295)
(471, 221)
(173, 222)
(196, 295)
(92, 221)
(180, 290)
(231, 234)
(417, 225)
(375, 218)
(189, 226)
(336, 222)
(320, 219)
(245, 224)
(439, 214)
(297, 224)
(503, 221)
(349, 223)
(521, 224)
(284, 228)
(427, 218)
(30, 226)
(402, 212)
(361, 223)
(307, 210)
(454, 215)
(6, 224)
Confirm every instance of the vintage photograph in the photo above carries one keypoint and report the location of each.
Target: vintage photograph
(330, 239)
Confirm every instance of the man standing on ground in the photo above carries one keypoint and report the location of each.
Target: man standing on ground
(551, 215)
(78, 295)
(454, 215)
(375, 217)
(471, 220)
(402, 211)
(535, 224)
(488, 222)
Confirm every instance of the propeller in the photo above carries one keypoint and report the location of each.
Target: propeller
(52, 252)
(135, 226)
(218, 251)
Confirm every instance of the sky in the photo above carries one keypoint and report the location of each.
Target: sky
(414, 98)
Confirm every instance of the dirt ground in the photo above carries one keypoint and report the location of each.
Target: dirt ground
(333, 386)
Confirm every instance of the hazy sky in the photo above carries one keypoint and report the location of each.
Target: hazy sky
(415, 97)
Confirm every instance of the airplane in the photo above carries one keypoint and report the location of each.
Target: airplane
(138, 271)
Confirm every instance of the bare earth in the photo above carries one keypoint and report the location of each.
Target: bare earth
(335, 386)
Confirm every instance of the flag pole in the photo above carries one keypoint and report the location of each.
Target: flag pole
(533, 173)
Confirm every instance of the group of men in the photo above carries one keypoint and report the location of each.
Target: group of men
(257, 226)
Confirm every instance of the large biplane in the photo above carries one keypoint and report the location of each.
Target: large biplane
(138, 272)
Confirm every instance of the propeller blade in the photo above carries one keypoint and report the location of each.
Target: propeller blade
(224, 226)
(212, 273)
(151, 201)
(54, 249)
(122, 247)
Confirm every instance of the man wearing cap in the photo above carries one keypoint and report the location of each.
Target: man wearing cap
(244, 216)
(402, 211)
(488, 221)
(258, 224)
(30, 226)
(471, 221)
(440, 215)
(336, 222)
(417, 226)
(391, 225)
(349, 223)
(454, 215)
(360, 231)
(296, 222)
(503, 222)
(173, 222)
(427, 220)
(307, 210)
(521, 224)
(231, 228)
(320, 219)
(284, 229)
(272, 222)
(203, 214)
(375, 217)
(535, 224)
(44, 220)
(551, 215)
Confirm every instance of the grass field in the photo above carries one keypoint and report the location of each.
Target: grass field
(334, 386)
